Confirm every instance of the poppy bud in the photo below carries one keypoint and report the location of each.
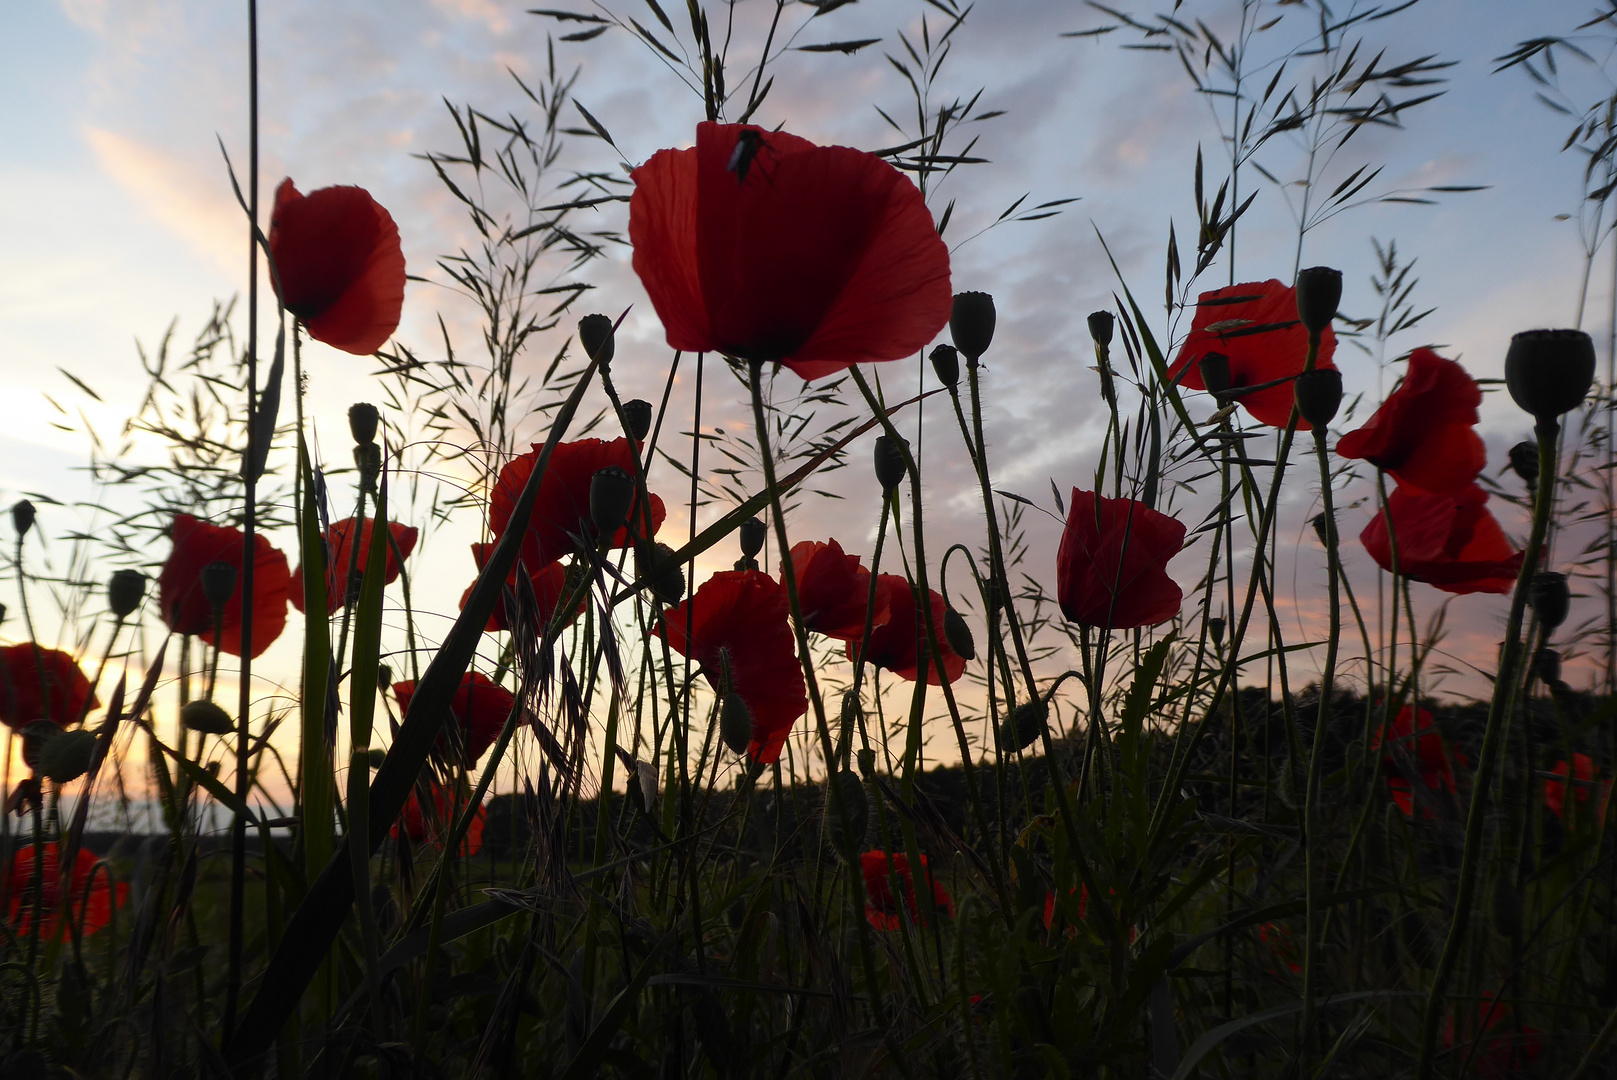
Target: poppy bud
(1025, 726)
(1319, 395)
(363, 419)
(206, 717)
(218, 583)
(1551, 599)
(611, 495)
(1215, 373)
(384, 676)
(889, 462)
(735, 722)
(125, 590)
(753, 533)
(637, 413)
(654, 563)
(22, 517)
(971, 323)
(375, 756)
(1319, 291)
(1548, 372)
(1100, 327)
(1215, 626)
(1524, 461)
(847, 814)
(946, 365)
(368, 460)
(867, 763)
(67, 757)
(35, 737)
(1547, 666)
(595, 333)
(1325, 529)
(958, 634)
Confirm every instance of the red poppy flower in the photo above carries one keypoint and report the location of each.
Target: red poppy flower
(549, 584)
(421, 827)
(1083, 910)
(761, 245)
(1424, 434)
(480, 707)
(880, 907)
(338, 555)
(1450, 541)
(1111, 567)
(1282, 947)
(1583, 781)
(1416, 746)
(561, 512)
(739, 619)
(179, 587)
(23, 700)
(87, 892)
(832, 590)
(897, 644)
(339, 264)
(1506, 1054)
(1256, 326)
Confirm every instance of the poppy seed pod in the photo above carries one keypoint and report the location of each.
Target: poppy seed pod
(637, 414)
(35, 737)
(1547, 666)
(1325, 529)
(946, 365)
(67, 757)
(611, 495)
(735, 723)
(957, 634)
(218, 583)
(125, 590)
(1100, 327)
(595, 334)
(1215, 626)
(363, 420)
(1524, 461)
(206, 717)
(847, 814)
(1551, 599)
(971, 323)
(1319, 291)
(889, 462)
(1025, 726)
(655, 563)
(752, 535)
(368, 460)
(22, 517)
(1319, 395)
(1549, 372)
(384, 676)
(1215, 373)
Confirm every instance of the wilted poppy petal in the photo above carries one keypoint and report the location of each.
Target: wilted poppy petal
(179, 586)
(1450, 541)
(1111, 567)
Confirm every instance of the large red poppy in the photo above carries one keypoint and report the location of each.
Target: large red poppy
(1583, 773)
(338, 555)
(1415, 745)
(23, 699)
(1424, 434)
(739, 620)
(560, 524)
(1254, 324)
(549, 584)
(881, 908)
(434, 824)
(1111, 567)
(87, 891)
(179, 587)
(897, 645)
(833, 590)
(1501, 1055)
(761, 245)
(479, 707)
(1450, 541)
(339, 264)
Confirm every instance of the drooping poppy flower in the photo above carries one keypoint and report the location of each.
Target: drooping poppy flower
(339, 265)
(561, 524)
(1254, 324)
(1111, 567)
(898, 644)
(1424, 434)
(1415, 747)
(88, 891)
(479, 707)
(881, 909)
(23, 698)
(339, 553)
(433, 826)
(185, 607)
(1450, 541)
(763, 246)
(549, 585)
(740, 623)
(1503, 1053)
(1583, 775)
(832, 590)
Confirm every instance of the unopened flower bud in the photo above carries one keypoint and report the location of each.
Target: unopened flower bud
(752, 534)
(637, 414)
(611, 496)
(1551, 599)
(958, 635)
(971, 323)
(384, 676)
(1319, 395)
(1100, 327)
(889, 462)
(735, 722)
(1524, 461)
(595, 334)
(867, 762)
(368, 460)
(946, 365)
(847, 814)
(1215, 373)
(1549, 372)
(1215, 627)
(1025, 726)
(218, 583)
(67, 757)
(1547, 666)
(1325, 529)
(1319, 291)
(654, 564)
(206, 717)
(22, 517)
(125, 590)
(363, 420)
